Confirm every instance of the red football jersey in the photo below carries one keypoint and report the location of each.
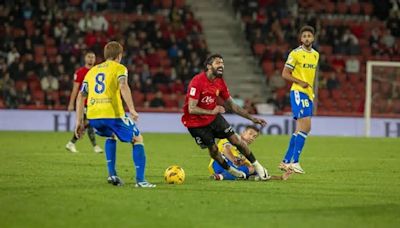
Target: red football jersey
(206, 92)
(79, 76)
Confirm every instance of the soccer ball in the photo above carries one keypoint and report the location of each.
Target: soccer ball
(174, 175)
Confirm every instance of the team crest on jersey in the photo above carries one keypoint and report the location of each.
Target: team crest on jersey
(192, 91)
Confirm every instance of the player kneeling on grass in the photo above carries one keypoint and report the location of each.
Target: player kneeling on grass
(235, 159)
(104, 85)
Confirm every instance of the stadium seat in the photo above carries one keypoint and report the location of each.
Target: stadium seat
(336, 94)
(170, 101)
(19, 85)
(38, 96)
(368, 8)
(268, 68)
(342, 7)
(355, 8)
(163, 88)
(150, 96)
(259, 49)
(323, 94)
(138, 99)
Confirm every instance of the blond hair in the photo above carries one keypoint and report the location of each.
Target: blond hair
(112, 50)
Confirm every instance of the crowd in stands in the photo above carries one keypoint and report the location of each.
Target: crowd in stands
(348, 33)
(43, 43)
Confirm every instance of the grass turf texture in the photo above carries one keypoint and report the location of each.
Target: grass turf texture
(350, 182)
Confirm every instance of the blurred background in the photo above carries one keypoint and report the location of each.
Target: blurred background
(165, 41)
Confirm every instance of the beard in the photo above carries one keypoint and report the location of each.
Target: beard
(218, 72)
(307, 44)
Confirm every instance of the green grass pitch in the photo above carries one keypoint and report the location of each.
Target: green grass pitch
(350, 182)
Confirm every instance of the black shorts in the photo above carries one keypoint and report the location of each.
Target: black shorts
(218, 128)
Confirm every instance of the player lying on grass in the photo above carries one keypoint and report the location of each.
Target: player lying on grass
(235, 159)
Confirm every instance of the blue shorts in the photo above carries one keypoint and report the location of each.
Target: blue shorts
(301, 104)
(218, 169)
(124, 128)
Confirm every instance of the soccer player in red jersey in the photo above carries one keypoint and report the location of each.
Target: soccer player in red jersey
(90, 60)
(202, 116)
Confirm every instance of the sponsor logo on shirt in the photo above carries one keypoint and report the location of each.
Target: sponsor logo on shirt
(208, 100)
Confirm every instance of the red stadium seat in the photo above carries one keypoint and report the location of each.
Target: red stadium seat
(341, 7)
(38, 96)
(150, 96)
(19, 85)
(326, 49)
(163, 88)
(368, 8)
(39, 49)
(355, 8)
(259, 49)
(138, 99)
(268, 68)
(166, 4)
(336, 94)
(179, 3)
(323, 94)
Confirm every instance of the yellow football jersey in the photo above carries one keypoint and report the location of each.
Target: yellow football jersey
(303, 64)
(102, 85)
(221, 147)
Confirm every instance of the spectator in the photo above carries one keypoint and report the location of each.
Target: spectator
(352, 65)
(12, 55)
(49, 83)
(157, 101)
(7, 89)
(88, 5)
(160, 77)
(250, 107)
(85, 23)
(332, 82)
(177, 87)
(388, 40)
(148, 86)
(24, 96)
(99, 22)
(60, 30)
(323, 63)
(350, 43)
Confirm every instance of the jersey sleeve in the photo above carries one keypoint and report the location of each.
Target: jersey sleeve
(224, 94)
(194, 89)
(122, 72)
(291, 61)
(84, 87)
(78, 76)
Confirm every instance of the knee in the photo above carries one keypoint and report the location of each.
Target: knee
(235, 141)
(213, 150)
(137, 139)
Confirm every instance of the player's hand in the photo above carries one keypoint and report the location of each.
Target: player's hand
(304, 84)
(260, 121)
(218, 109)
(79, 129)
(134, 115)
(71, 107)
